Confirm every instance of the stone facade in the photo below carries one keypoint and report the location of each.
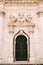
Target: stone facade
(21, 17)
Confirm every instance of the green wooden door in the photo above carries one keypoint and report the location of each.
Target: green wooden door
(21, 48)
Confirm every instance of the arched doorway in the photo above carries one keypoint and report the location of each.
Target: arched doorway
(21, 48)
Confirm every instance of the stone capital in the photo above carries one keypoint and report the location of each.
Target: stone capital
(40, 13)
(2, 13)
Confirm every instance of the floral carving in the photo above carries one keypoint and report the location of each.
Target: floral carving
(28, 18)
(13, 19)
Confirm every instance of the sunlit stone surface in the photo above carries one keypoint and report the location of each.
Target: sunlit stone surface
(25, 18)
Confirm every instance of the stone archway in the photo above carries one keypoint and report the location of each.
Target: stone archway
(21, 48)
(21, 38)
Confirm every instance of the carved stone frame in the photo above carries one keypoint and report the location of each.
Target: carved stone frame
(21, 32)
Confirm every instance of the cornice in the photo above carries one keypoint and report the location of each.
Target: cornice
(21, 2)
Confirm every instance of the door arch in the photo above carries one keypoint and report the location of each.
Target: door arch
(21, 48)
(14, 44)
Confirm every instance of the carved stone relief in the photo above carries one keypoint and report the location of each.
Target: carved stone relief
(21, 21)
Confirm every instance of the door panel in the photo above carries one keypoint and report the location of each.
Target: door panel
(21, 48)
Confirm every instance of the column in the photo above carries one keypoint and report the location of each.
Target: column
(10, 52)
(1, 34)
(41, 31)
(32, 60)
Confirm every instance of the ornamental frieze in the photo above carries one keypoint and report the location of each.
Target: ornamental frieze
(21, 21)
(20, 1)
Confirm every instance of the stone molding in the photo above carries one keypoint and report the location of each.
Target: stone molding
(21, 2)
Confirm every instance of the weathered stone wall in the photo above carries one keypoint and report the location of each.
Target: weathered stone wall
(6, 34)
